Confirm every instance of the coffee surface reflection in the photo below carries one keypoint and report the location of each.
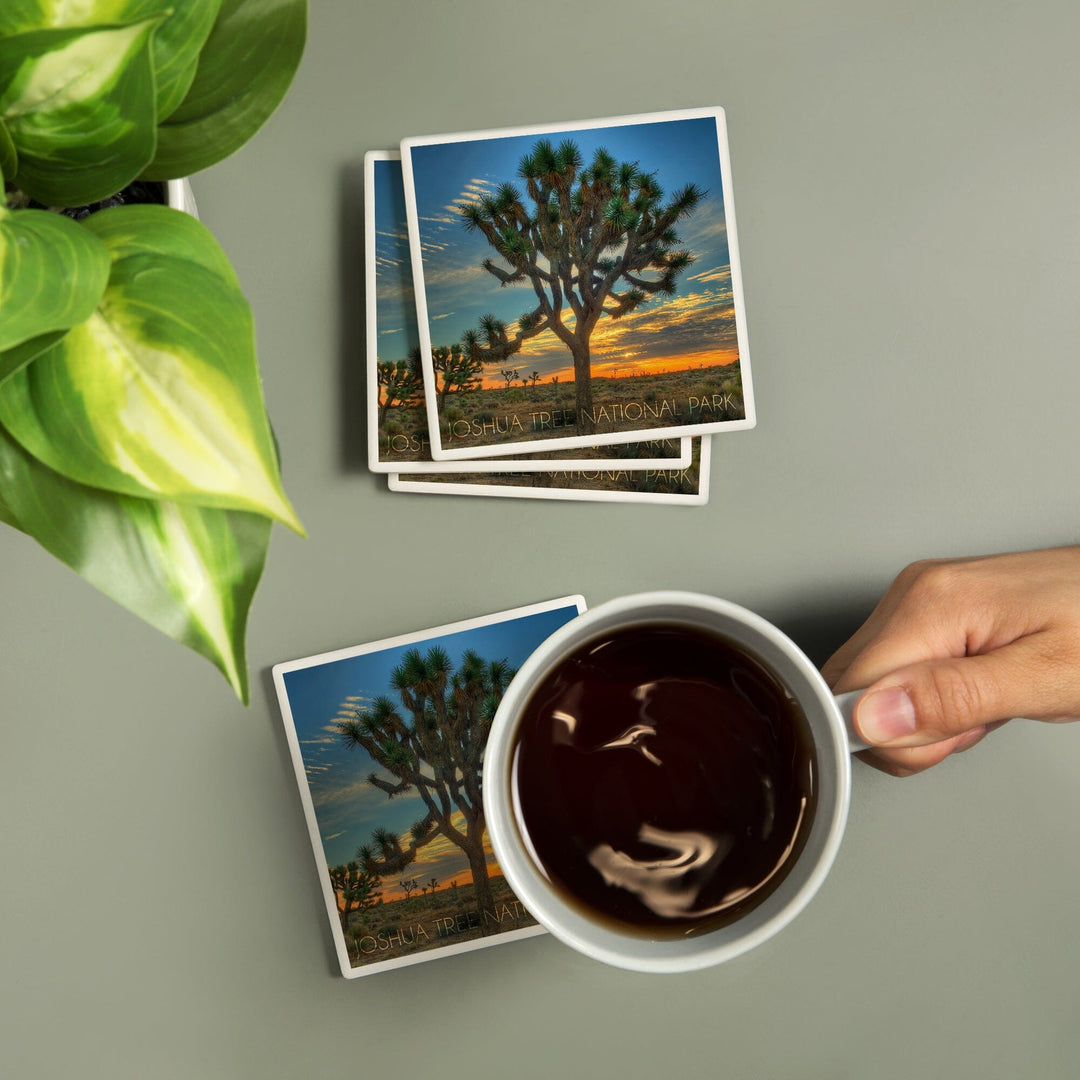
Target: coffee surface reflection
(663, 779)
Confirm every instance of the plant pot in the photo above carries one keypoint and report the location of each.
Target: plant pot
(178, 195)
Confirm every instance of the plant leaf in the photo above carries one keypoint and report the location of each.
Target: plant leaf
(14, 359)
(53, 272)
(145, 229)
(19, 15)
(9, 157)
(79, 107)
(157, 394)
(188, 570)
(244, 70)
(7, 515)
(176, 44)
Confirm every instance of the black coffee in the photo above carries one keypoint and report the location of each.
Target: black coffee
(664, 779)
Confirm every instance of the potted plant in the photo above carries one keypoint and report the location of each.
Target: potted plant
(134, 441)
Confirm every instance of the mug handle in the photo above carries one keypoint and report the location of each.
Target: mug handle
(846, 704)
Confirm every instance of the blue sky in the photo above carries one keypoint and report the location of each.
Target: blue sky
(347, 807)
(396, 307)
(698, 321)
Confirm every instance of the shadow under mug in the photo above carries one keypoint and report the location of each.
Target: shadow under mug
(834, 741)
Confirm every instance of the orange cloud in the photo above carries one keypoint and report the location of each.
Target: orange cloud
(694, 329)
(442, 859)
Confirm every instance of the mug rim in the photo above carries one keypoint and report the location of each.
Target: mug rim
(634, 951)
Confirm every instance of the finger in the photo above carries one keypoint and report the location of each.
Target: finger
(905, 636)
(847, 669)
(909, 760)
(836, 667)
(937, 699)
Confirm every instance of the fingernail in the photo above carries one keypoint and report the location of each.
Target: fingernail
(885, 715)
(970, 738)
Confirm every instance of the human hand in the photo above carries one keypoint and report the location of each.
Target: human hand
(957, 647)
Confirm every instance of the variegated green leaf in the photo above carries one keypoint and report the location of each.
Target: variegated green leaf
(9, 157)
(79, 106)
(244, 70)
(7, 515)
(16, 358)
(156, 230)
(188, 570)
(176, 44)
(157, 394)
(52, 274)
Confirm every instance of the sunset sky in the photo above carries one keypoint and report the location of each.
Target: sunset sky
(695, 327)
(347, 807)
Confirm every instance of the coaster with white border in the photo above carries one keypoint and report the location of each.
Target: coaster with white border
(397, 420)
(675, 487)
(598, 257)
(389, 770)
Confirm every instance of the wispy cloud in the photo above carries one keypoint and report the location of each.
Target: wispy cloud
(454, 276)
(356, 799)
(721, 275)
(472, 192)
(449, 217)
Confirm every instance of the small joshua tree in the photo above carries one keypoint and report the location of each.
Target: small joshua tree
(399, 383)
(357, 889)
(456, 368)
(408, 886)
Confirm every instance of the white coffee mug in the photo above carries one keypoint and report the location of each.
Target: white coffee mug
(834, 740)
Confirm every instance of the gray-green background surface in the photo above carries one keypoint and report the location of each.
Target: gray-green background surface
(907, 181)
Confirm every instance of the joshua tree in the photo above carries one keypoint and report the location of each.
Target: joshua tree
(510, 375)
(534, 378)
(460, 370)
(358, 888)
(408, 886)
(399, 383)
(433, 743)
(433, 884)
(578, 236)
(456, 367)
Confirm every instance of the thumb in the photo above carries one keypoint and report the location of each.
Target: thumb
(938, 699)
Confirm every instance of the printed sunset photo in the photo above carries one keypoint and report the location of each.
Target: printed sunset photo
(578, 283)
(399, 440)
(391, 741)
